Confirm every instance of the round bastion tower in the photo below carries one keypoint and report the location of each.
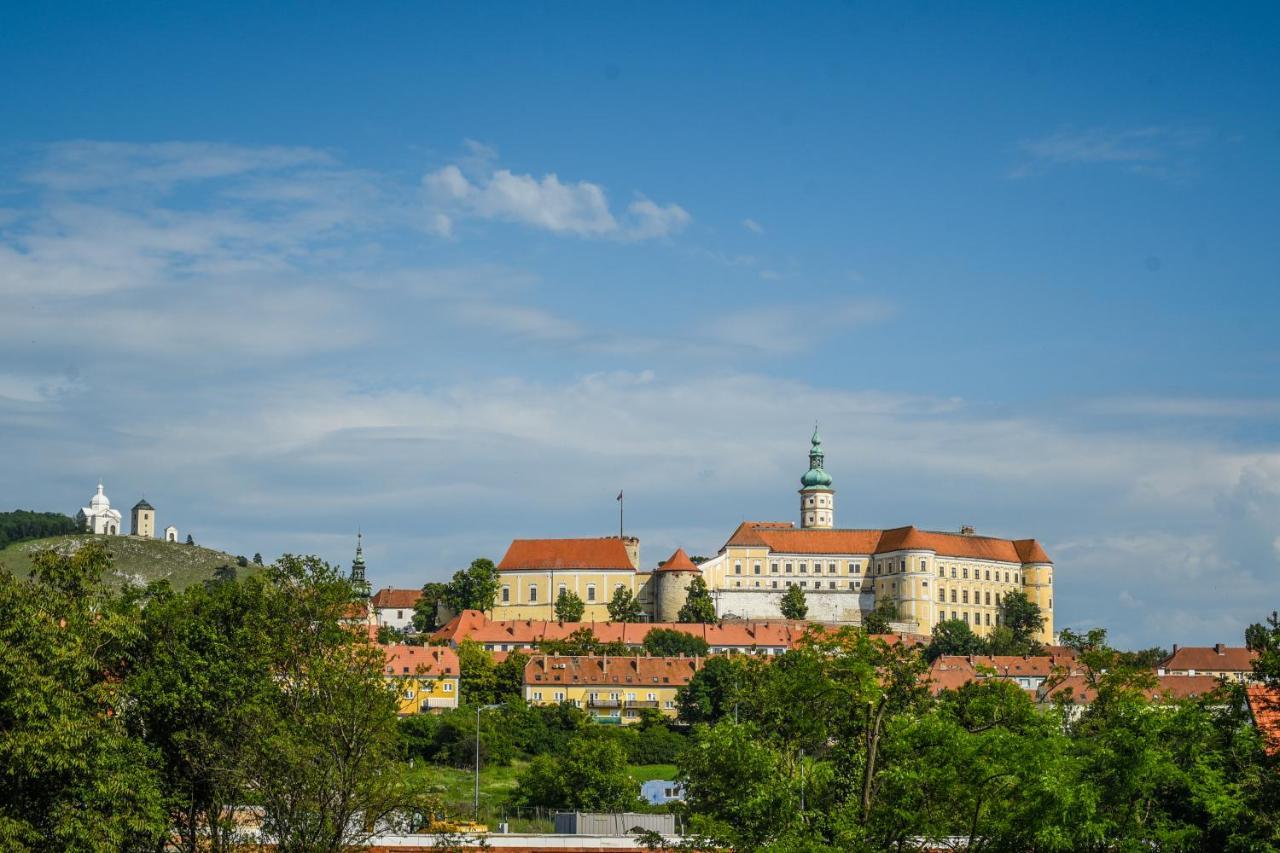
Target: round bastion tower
(817, 498)
(673, 578)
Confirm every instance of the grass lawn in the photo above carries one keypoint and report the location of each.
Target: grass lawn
(456, 789)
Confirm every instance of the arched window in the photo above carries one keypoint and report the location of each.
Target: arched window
(533, 593)
(591, 592)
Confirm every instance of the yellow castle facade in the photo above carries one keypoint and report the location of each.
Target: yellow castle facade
(929, 576)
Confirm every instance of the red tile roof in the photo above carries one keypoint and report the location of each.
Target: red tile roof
(395, 598)
(420, 660)
(611, 670)
(678, 562)
(1264, 704)
(528, 633)
(786, 539)
(603, 553)
(1167, 687)
(952, 671)
(1217, 658)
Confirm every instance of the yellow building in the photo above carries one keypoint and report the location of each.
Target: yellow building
(611, 689)
(426, 677)
(928, 575)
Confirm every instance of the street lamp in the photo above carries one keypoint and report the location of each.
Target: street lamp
(479, 708)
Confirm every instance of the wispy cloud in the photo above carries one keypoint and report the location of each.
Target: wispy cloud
(577, 208)
(753, 226)
(1154, 150)
(787, 327)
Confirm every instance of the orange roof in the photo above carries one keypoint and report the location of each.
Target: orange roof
(1217, 658)
(604, 553)
(678, 562)
(950, 672)
(785, 539)
(528, 633)
(1264, 703)
(420, 660)
(395, 598)
(1167, 687)
(611, 670)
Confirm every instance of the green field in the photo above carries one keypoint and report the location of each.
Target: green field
(138, 560)
(456, 789)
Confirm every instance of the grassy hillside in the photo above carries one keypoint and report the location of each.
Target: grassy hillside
(140, 560)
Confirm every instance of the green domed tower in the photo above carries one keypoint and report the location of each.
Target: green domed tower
(817, 498)
(358, 579)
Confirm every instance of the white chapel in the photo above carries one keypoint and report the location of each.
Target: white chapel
(98, 516)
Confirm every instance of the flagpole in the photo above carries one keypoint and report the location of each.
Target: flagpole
(620, 505)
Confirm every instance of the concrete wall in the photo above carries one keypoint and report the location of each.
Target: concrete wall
(824, 605)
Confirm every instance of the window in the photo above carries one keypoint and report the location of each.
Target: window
(1006, 577)
(831, 584)
(804, 568)
(988, 574)
(965, 572)
(966, 616)
(506, 594)
(903, 566)
(924, 584)
(738, 584)
(788, 583)
(533, 593)
(953, 595)
(756, 584)
(537, 695)
(953, 571)
(942, 571)
(737, 568)
(773, 584)
(856, 568)
(756, 567)
(591, 592)
(953, 614)
(831, 568)
(1015, 577)
(773, 567)
(964, 596)
(942, 595)
(986, 618)
(448, 687)
(788, 568)
(562, 590)
(853, 584)
(399, 614)
(987, 595)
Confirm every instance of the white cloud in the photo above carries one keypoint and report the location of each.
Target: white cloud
(576, 208)
(1155, 150)
(753, 226)
(788, 327)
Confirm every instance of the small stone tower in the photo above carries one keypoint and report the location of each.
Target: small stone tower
(357, 567)
(673, 578)
(817, 498)
(142, 520)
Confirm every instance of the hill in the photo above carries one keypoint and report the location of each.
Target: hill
(140, 560)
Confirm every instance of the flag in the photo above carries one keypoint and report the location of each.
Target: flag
(619, 494)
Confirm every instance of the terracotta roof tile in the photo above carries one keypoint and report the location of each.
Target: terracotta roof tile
(678, 562)
(395, 598)
(1264, 704)
(601, 553)
(1217, 658)
(783, 538)
(420, 660)
(1167, 687)
(611, 671)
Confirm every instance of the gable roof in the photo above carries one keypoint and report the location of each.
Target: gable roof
(678, 562)
(607, 552)
(1167, 687)
(784, 538)
(1217, 658)
(611, 670)
(1264, 705)
(420, 660)
(387, 597)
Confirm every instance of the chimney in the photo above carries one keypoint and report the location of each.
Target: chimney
(967, 530)
(1175, 648)
(1217, 647)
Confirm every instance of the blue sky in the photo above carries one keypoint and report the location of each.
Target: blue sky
(457, 275)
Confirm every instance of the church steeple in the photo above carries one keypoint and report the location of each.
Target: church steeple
(357, 566)
(817, 498)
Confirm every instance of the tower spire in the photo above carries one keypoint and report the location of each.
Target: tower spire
(817, 497)
(357, 566)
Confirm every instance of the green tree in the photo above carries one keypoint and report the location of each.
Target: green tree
(625, 607)
(473, 588)
(1022, 616)
(698, 605)
(591, 775)
(388, 635)
(190, 539)
(717, 690)
(1265, 640)
(953, 637)
(568, 607)
(509, 678)
(669, 642)
(23, 524)
(477, 675)
(257, 559)
(427, 606)
(793, 604)
(72, 779)
(583, 641)
(879, 621)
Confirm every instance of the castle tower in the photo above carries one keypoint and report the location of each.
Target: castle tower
(817, 498)
(357, 567)
(673, 578)
(142, 520)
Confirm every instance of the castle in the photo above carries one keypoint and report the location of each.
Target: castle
(928, 575)
(98, 517)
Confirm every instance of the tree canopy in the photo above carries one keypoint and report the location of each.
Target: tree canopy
(568, 606)
(473, 588)
(625, 607)
(793, 604)
(698, 605)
